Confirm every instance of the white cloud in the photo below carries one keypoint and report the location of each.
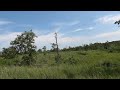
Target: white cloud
(47, 39)
(5, 39)
(80, 29)
(5, 22)
(90, 28)
(108, 35)
(77, 30)
(8, 37)
(75, 40)
(66, 23)
(108, 19)
(62, 40)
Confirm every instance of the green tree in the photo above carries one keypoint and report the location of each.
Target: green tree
(24, 43)
(54, 47)
(44, 50)
(40, 50)
(9, 53)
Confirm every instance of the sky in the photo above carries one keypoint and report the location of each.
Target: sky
(74, 28)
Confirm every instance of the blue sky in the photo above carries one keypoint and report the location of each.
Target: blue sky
(74, 27)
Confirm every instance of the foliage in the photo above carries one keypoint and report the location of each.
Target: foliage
(24, 42)
(44, 50)
(109, 46)
(9, 52)
(39, 50)
(96, 64)
(58, 59)
(54, 47)
(27, 60)
(71, 60)
(86, 61)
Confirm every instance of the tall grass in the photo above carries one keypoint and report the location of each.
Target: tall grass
(74, 65)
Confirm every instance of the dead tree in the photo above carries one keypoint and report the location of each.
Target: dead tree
(58, 57)
(56, 44)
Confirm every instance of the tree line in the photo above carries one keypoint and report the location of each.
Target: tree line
(110, 46)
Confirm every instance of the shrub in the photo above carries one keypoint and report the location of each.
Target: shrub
(58, 59)
(82, 53)
(105, 69)
(9, 53)
(27, 60)
(71, 60)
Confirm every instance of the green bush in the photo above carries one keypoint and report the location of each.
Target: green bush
(27, 60)
(58, 59)
(105, 69)
(82, 53)
(9, 53)
(71, 60)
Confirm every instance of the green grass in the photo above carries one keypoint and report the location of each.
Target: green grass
(94, 64)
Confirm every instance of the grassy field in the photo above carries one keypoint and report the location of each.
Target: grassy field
(94, 64)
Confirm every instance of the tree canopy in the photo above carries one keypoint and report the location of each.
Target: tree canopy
(24, 43)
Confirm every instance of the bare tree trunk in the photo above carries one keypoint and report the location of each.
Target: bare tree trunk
(56, 43)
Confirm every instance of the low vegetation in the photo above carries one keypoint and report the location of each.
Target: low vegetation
(73, 65)
(93, 61)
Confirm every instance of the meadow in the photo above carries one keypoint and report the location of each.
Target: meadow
(91, 64)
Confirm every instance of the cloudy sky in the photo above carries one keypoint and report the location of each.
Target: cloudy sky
(74, 27)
